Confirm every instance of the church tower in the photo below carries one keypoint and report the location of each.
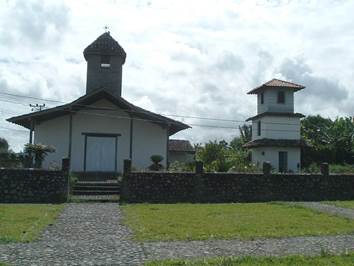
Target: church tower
(105, 59)
(276, 127)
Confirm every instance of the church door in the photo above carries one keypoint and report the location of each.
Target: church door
(100, 153)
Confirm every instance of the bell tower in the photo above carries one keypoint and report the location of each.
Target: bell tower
(105, 59)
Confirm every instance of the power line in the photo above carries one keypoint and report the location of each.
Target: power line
(171, 115)
(8, 128)
(30, 97)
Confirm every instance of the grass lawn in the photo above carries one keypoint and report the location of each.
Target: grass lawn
(268, 261)
(228, 221)
(344, 204)
(24, 222)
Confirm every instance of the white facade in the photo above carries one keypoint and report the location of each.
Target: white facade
(270, 101)
(276, 129)
(147, 139)
(271, 155)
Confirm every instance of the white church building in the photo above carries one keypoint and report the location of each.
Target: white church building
(101, 129)
(276, 127)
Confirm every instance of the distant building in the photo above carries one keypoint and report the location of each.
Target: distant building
(101, 129)
(276, 127)
(181, 151)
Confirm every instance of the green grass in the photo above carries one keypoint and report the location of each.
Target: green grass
(268, 261)
(24, 222)
(343, 204)
(152, 222)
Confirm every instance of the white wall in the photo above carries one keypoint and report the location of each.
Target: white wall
(270, 101)
(271, 154)
(277, 127)
(99, 121)
(54, 132)
(148, 138)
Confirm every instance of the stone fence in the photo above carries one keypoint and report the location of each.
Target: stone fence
(164, 187)
(34, 185)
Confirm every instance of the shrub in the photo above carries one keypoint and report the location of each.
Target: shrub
(39, 151)
(156, 166)
(156, 158)
(177, 166)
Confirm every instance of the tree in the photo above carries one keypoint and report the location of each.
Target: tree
(330, 141)
(4, 145)
(39, 151)
(245, 136)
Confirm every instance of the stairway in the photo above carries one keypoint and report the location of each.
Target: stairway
(96, 188)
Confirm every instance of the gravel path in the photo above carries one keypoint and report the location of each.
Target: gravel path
(327, 208)
(84, 234)
(266, 247)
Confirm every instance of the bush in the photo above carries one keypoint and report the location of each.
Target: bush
(177, 166)
(39, 151)
(156, 166)
(333, 168)
(156, 159)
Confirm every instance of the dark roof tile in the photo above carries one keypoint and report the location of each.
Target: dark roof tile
(276, 83)
(275, 143)
(180, 145)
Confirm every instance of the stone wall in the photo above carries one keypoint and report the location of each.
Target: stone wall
(233, 187)
(33, 186)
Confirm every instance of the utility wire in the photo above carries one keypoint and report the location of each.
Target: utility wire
(171, 115)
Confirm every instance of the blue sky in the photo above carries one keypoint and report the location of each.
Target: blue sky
(194, 58)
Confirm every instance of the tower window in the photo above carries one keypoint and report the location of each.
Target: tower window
(281, 97)
(105, 61)
(259, 128)
(262, 98)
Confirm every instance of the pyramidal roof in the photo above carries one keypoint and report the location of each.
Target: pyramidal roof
(277, 83)
(105, 44)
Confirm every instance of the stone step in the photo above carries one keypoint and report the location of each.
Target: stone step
(95, 192)
(85, 187)
(97, 183)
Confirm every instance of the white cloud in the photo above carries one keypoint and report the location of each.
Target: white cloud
(196, 58)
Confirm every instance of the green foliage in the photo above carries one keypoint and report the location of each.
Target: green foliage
(156, 166)
(177, 166)
(223, 157)
(156, 158)
(322, 260)
(331, 141)
(157, 222)
(4, 145)
(8, 158)
(73, 179)
(333, 168)
(39, 151)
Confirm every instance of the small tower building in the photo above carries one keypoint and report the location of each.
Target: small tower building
(276, 127)
(105, 59)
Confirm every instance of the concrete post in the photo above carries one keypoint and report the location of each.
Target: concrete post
(199, 167)
(267, 168)
(65, 167)
(127, 166)
(324, 167)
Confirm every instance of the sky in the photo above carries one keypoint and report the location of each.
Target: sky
(187, 58)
